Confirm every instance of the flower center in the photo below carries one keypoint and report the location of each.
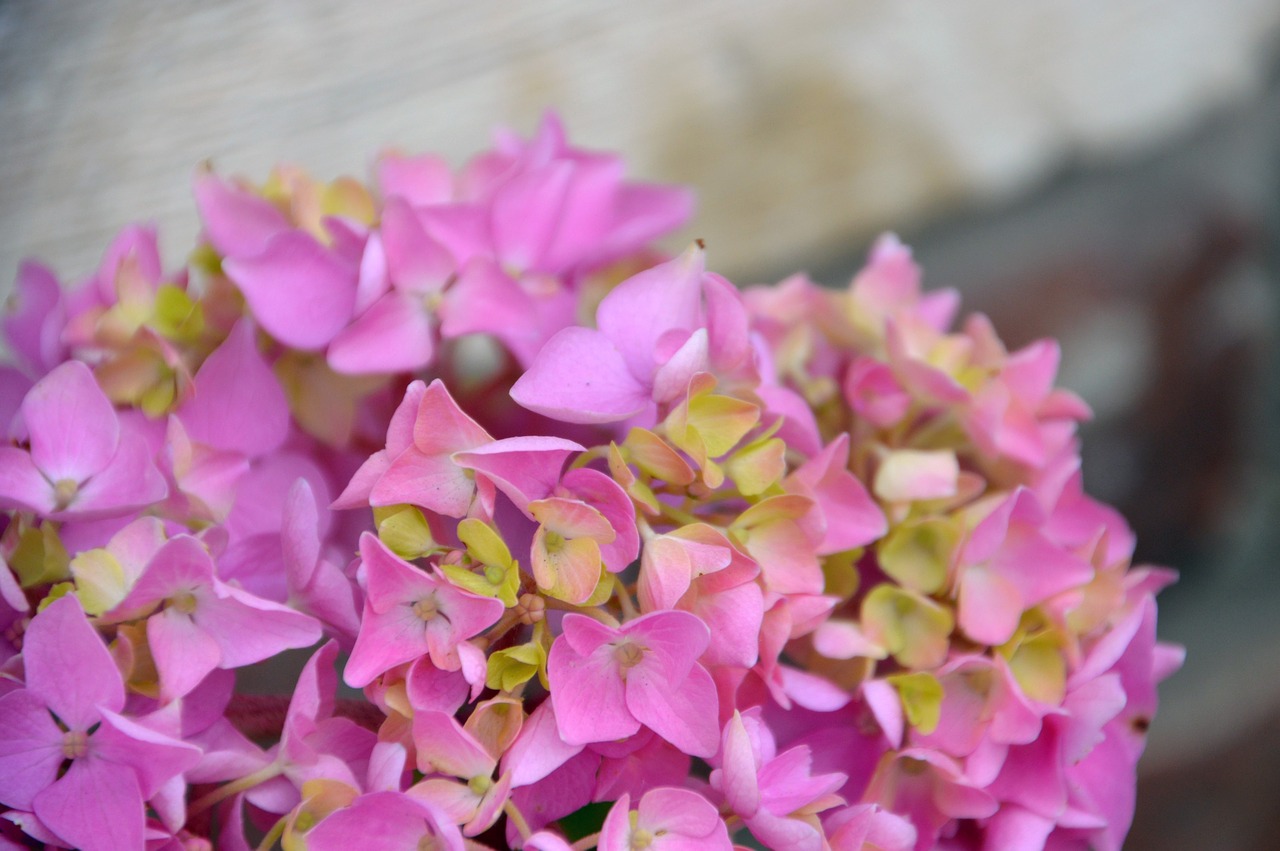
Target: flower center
(641, 839)
(430, 842)
(64, 490)
(75, 744)
(14, 632)
(494, 574)
(183, 601)
(628, 654)
(426, 608)
(480, 784)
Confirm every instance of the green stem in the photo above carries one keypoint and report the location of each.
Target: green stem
(225, 791)
(517, 818)
(277, 830)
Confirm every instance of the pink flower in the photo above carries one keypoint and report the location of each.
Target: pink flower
(775, 794)
(113, 764)
(80, 464)
(654, 333)
(410, 613)
(202, 623)
(607, 682)
(666, 819)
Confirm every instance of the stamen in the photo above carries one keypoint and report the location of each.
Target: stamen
(426, 608)
(64, 490)
(75, 744)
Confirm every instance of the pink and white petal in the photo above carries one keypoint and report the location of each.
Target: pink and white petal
(237, 404)
(95, 806)
(588, 697)
(73, 426)
(580, 377)
(262, 493)
(30, 748)
(300, 292)
(586, 634)
(184, 654)
(393, 335)
(22, 485)
(686, 714)
(671, 381)
(68, 667)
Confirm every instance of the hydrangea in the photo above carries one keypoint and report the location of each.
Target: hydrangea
(617, 554)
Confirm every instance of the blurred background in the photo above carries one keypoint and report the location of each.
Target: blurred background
(1105, 171)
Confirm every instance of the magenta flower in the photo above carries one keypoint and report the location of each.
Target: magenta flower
(666, 819)
(113, 764)
(196, 622)
(410, 613)
(80, 465)
(607, 682)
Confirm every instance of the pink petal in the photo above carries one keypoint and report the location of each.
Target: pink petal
(237, 404)
(184, 654)
(237, 222)
(420, 180)
(95, 806)
(686, 713)
(441, 426)
(587, 694)
(675, 640)
(34, 320)
(990, 606)
(154, 757)
(444, 746)
(30, 748)
(636, 314)
(393, 335)
(523, 468)
(580, 377)
(680, 811)
(416, 263)
(538, 750)
(300, 292)
(73, 426)
(68, 666)
(131, 480)
(300, 534)
(525, 214)
(22, 485)
(249, 629)
(738, 781)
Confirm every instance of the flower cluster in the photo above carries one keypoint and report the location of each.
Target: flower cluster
(607, 552)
